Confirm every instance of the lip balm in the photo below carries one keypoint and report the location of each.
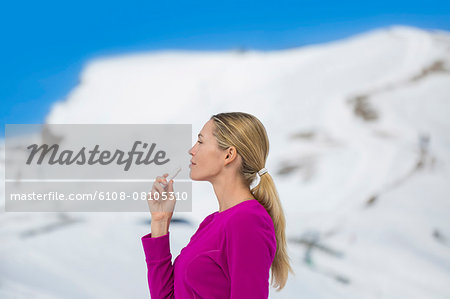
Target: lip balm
(171, 177)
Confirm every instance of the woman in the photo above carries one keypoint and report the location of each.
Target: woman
(233, 250)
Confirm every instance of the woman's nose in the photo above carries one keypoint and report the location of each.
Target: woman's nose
(190, 152)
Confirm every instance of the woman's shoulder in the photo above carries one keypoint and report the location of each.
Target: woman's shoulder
(250, 225)
(250, 214)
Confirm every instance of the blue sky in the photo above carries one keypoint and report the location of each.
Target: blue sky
(46, 43)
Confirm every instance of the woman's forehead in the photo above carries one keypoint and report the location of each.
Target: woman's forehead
(206, 130)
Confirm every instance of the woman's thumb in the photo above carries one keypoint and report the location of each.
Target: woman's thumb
(171, 185)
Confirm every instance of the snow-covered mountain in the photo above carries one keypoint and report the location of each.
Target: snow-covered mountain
(360, 152)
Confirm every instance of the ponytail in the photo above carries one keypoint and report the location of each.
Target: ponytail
(267, 195)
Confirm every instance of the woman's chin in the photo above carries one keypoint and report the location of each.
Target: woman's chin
(195, 178)
(192, 177)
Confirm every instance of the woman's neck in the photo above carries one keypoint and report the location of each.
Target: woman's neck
(230, 191)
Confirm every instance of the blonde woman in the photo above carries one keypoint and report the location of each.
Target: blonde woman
(233, 250)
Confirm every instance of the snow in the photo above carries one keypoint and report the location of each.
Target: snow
(373, 193)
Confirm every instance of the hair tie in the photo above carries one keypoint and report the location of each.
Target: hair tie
(257, 180)
(262, 171)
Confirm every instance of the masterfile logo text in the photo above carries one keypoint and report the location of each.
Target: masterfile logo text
(102, 167)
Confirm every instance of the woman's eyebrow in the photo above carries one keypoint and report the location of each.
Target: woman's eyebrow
(200, 135)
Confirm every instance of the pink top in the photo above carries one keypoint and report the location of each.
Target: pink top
(229, 256)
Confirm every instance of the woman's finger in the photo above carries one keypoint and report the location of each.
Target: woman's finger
(159, 188)
(170, 186)
(162, 180)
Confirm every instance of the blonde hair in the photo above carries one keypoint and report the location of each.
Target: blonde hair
(248, 135)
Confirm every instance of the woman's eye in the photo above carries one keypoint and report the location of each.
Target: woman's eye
(199, 142)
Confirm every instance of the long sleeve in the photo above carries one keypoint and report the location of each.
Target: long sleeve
(159, 266)
(250, 250)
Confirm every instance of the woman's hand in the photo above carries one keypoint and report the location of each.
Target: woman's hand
(162, 201)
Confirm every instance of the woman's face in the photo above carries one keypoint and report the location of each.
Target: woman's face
(207, 159)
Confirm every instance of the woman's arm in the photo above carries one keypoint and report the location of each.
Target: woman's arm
(156, 244)
(159, 265)
(250, 250)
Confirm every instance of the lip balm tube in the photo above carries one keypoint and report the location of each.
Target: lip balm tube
(171, 177)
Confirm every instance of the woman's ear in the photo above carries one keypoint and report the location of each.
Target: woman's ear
(231, 155)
